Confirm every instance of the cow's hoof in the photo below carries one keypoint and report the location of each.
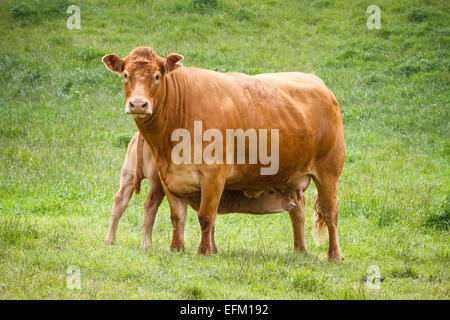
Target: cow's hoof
(301, 251)
(336, 260)
(178, 248)
(335, 257)
(110, 241)
(146, 245)
(205, 251)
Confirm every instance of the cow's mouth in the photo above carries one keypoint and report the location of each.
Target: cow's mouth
(140, 115)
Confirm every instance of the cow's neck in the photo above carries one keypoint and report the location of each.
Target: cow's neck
(170, 114)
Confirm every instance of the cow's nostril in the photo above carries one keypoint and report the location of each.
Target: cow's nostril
(138, 105)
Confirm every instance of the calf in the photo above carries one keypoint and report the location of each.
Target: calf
(138, 165)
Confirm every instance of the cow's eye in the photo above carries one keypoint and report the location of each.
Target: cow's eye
(125, 76)
(157, 76)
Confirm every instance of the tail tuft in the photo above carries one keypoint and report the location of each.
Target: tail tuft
(138, 168)
(319, 227)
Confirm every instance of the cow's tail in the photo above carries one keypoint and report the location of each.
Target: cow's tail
(319, 227)
(138, 168)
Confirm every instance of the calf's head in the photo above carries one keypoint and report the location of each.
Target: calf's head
(144, 74)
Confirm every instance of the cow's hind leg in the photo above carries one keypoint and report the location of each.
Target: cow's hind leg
(151, 205)
(326, 207)
(297, 215)
(121, 200)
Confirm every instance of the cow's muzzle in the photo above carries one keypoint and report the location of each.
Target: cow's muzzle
(138, 107)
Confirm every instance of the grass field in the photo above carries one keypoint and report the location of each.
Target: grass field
(63, 137)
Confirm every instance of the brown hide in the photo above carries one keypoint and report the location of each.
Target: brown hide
(298, 105)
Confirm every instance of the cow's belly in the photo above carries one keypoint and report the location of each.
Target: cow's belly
(253, 187)
(184, 181)
(290, 176)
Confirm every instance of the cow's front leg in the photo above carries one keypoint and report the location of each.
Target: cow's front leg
(178, 210)
(211, 192)
(213, 241)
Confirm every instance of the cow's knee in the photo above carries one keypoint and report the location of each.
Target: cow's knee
(206, 223)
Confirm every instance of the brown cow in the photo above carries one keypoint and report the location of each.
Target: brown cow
(163, 96)
(138, 165)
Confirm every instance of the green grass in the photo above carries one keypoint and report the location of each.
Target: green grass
(63, 135)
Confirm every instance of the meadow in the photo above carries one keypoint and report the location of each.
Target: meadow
(63, 137)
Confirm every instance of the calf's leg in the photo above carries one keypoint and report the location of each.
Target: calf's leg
(121, 200)
(297, 215)
(151, 205)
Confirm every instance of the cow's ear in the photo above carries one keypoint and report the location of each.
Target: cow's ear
(113, 63)
(173, 62)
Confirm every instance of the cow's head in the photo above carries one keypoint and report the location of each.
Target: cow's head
(143, 74)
